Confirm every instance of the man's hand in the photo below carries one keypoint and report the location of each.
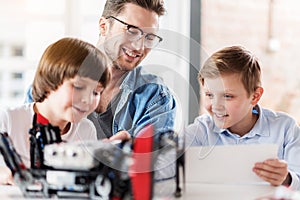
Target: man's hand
(274, 171)
(121, 135)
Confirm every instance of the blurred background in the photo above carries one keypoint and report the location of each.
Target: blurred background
(192, 30)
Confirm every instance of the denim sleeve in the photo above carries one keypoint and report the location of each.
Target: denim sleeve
(28, 95)
(162, 117)
(160, 111)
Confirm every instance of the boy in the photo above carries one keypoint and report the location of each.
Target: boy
(67, 85)
(231, 81)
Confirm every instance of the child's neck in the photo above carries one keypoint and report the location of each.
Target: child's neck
(244, 127)
(42, 109)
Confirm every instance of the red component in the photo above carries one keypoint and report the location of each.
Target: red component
(142, 169)
(40, 119)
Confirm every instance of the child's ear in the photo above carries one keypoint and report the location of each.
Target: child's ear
(257, 95)
(103, 26)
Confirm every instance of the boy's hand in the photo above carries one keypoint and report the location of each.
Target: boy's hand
(274, 171)
(6, 177)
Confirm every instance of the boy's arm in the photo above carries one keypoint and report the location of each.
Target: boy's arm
(197, 133)
(287, 170)
(288, 180)
(294, 180)
(292, 152)
(276, 172)
(6, 177)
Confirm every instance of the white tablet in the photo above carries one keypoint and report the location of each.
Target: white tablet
(226, 164)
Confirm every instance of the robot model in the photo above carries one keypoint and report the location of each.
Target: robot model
(91, 169)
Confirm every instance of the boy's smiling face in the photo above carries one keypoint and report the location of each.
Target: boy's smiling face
(228, 102)
(74, 99)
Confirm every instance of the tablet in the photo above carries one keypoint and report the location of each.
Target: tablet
(226, 163)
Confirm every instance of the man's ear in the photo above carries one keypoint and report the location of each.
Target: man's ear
(103, 26)
(257, 94)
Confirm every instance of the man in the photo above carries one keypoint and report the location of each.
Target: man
(133, 98)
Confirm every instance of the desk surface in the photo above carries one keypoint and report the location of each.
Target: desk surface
(226, 191)
(191, 192)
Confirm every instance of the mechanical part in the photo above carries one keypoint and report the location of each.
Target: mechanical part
(41, 134)
(92, 169)
(102, 187)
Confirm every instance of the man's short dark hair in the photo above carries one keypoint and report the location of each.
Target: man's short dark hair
(115, 7)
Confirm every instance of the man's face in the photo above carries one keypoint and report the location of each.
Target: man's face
(126, 54)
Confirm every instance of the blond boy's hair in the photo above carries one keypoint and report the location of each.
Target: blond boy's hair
(233, 60)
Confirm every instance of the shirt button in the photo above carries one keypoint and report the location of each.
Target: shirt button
(240, 141)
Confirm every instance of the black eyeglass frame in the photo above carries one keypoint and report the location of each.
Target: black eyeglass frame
(128, 26)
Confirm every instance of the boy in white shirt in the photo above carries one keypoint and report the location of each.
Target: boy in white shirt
(231, 81)
(67, 85)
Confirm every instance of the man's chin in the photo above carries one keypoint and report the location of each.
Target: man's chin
(116, 66)
(124, 67)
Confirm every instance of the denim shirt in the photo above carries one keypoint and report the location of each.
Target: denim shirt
(144, 100)
(28, 96)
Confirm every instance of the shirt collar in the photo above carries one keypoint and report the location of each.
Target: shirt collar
(139, 77)
(131, 79)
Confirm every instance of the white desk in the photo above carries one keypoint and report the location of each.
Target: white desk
(216, 191)
(192, 192)
(226, 192)
(10, 192)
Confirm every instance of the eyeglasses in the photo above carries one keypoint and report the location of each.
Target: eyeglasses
(134, 33)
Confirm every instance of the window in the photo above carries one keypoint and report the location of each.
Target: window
(17, 75)
(16, 94)
(17, 51)
(1, 50)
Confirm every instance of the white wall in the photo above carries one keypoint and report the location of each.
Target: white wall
(170, 59)
(34, 24)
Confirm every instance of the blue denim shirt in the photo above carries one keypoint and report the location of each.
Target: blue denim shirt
(28, 96)
(144, 100)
